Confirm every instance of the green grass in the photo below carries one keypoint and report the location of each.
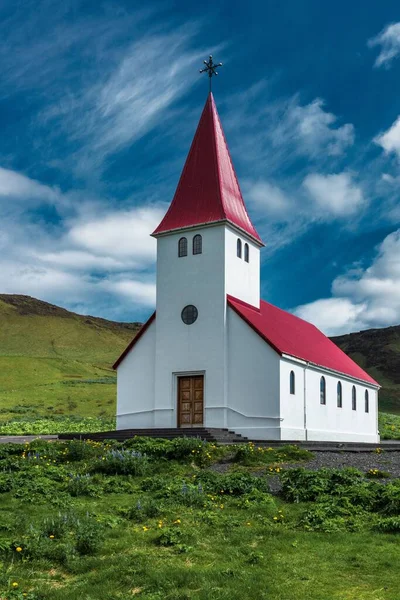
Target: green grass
(52, 360)
(389, 426)
(187, 539)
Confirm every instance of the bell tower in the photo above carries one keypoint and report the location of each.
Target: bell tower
(207, 248)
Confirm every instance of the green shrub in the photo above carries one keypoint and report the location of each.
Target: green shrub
(377, 474)
(170, 536)
(301, 485)
(122, 462)
(88, 536)
(388, 525)
(233, 484)
(82, 485)
(142, 510)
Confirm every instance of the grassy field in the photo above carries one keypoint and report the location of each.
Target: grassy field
(56, 362)
(159, 520)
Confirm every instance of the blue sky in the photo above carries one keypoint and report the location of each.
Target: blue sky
(98, 106)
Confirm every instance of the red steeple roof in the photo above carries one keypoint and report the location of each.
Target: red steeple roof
(208, 190)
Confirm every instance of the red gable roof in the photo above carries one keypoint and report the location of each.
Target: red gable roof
(208, 190)
(289, 334)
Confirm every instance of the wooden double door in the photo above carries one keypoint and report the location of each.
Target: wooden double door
(191, 401)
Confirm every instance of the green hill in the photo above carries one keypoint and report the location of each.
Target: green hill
(53, 361)
(378, 351)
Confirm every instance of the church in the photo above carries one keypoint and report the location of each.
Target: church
(213, 354)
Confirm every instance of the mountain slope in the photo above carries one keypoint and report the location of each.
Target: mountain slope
(53, 360)
(377, 351)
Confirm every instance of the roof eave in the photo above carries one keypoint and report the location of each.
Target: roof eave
(329, 370)
(156, 234)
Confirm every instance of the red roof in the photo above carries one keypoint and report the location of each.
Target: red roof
(208, 190)
(289, 334)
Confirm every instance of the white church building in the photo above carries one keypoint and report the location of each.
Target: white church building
(214, 354)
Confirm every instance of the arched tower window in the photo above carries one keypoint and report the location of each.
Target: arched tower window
(322, 391)
(292, 382)
(197, 244)
(366, 401)
(246, 252)
(339, 394)
(239, 248)
(182, 247)
(354, 398)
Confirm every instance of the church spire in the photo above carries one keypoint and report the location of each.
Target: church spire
(208, 190)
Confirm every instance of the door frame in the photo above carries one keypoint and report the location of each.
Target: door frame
(175, 394)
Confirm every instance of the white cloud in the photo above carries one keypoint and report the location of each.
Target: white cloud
(123, 234)
(267, 198)
(362, 298)
(137, 291)
(311, 129)
(389, 40)
(390, 139)
(335, 194)
(16, 185)
(332, 315)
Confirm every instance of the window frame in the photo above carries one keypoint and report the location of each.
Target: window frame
(182, 253)
(339, 395)
(246, 253)
(353, 398)
(197, 244)
(239, 248)
(366, 399)
(322, 391)
(292, 383)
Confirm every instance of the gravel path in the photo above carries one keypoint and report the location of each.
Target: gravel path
(386, 461)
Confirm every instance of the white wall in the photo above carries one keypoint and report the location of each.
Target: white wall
(292, 405)
(135, 384)
(242, 278)
(253, 387)
(328, 422)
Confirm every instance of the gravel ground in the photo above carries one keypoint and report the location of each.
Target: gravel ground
(387, 461)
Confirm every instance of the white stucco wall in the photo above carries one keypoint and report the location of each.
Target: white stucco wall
(242, 278)
(253, 382)
(292, 405)
(135, 383)
(328, 422)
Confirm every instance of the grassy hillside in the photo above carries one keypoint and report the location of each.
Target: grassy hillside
(378, 351)
(53, 361)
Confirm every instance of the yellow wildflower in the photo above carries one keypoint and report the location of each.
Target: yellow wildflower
(19, 549)
(15, 584)
(51, 537)
(145, 528)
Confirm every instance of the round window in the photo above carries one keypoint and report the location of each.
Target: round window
(189, 314)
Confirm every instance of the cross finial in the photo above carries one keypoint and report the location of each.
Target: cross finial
(210, 68)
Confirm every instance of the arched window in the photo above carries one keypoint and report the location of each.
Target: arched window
(292, 382)
(182, 247)
(366, 401)
(197, 244)
(339, 394)
(246, 252)
(239, 248)
(322, 391)
(354, 398)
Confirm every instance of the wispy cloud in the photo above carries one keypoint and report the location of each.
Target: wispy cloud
(389, 140)
(389, 41)
(336, 195)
